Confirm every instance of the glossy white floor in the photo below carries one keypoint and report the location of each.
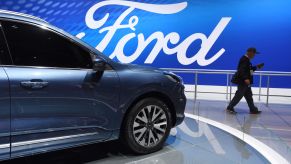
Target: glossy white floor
(194, 141)
(272, 128)
(191, 142)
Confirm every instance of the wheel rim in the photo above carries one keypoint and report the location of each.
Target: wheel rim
(150, 126)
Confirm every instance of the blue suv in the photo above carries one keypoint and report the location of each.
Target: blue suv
(57, 92)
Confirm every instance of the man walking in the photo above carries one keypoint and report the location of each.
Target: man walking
(244, 78)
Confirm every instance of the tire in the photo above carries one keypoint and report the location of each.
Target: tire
(139, 134)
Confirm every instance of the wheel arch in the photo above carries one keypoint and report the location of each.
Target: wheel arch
(153, 94)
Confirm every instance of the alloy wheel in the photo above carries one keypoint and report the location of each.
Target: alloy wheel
(150, 126)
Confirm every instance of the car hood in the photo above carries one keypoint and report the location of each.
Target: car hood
(134, 67)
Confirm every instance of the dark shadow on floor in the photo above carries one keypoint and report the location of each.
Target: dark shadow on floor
(75, 155)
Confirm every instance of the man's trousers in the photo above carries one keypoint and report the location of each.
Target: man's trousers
(243, 90)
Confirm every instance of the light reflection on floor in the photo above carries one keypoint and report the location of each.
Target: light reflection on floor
(191, 142)
(272, 127)
(196, 143)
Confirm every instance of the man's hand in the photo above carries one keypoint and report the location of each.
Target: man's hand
(260, 65)
(247, 81)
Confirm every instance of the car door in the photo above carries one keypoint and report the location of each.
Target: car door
(57, 99)
(4, 102)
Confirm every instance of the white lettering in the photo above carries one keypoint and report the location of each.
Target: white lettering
(161, 39)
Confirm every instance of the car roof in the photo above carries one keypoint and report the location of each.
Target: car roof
(20, 16)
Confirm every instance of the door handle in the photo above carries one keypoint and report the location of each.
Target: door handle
(34, 84)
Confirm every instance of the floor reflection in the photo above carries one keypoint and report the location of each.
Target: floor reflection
(272, 127)
(191, 142)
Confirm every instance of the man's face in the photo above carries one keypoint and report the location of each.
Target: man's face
(251, 55)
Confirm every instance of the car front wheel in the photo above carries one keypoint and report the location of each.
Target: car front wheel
(146, 126)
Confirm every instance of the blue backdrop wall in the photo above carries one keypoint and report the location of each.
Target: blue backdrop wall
(190, 34)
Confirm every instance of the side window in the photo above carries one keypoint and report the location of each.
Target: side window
(35, 46)
(4, 53)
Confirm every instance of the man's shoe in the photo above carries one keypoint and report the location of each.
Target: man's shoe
(231, 111)
(255, 112)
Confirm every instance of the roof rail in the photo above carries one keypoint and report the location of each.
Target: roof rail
(21, 14)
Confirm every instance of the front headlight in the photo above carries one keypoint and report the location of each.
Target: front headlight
(173, 77)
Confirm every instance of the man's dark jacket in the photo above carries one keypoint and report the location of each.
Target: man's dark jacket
(245, 69)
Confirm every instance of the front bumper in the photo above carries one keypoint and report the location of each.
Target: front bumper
(180, 105)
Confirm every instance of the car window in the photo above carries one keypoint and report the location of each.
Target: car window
(35, 46)
(4, 53)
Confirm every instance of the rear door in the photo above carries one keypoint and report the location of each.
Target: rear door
(4, 102)
(56, 98)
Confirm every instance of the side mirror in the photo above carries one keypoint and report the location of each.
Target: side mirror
(99, 65)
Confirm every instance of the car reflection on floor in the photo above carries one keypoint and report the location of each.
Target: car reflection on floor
(190, 142)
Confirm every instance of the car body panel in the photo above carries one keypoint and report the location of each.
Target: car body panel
(137, 81)
(77, 106)
(74, 102)
(4, 115)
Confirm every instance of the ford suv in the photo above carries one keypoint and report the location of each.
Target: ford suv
(57, 92)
